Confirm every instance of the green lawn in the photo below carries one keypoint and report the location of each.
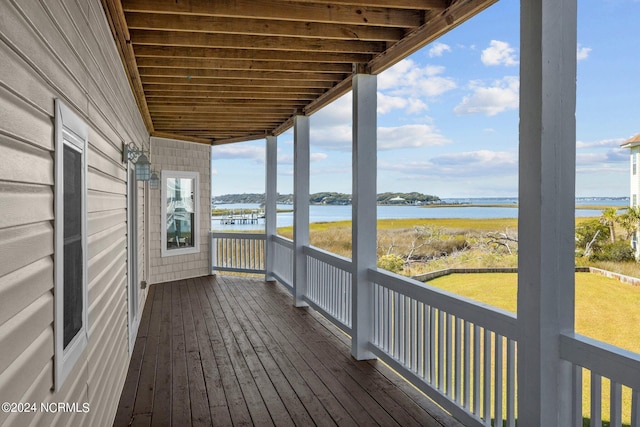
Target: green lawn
(606, 310)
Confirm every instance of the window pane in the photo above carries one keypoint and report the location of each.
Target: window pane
(180, 212)
(72, 317)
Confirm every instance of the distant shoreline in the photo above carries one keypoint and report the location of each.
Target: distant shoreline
(509, 205)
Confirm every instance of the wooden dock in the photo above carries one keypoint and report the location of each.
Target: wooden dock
(234, 351)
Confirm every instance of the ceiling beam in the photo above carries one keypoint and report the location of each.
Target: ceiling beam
(250, 54)
(230, 89)
(227, 95)
(283, 76)
(206, 82)
(282, 10)
(261, 27)
(435, 26)
(238, 102)
(400, 4)
(213, 109)
(209, 116)
(225, 64)
(241, 41)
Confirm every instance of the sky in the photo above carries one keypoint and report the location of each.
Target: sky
(448, 115)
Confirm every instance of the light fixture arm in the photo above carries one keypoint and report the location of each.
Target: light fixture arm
(131, 153)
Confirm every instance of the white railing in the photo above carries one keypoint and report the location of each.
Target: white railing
(460, 353)
(329, 286)
(283, 260)
(600, 364)
(239, 252)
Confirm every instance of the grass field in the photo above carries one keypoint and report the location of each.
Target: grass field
(606, 310)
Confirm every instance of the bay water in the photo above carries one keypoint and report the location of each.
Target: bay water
(464, 209)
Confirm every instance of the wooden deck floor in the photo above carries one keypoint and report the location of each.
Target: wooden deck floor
(233, 351)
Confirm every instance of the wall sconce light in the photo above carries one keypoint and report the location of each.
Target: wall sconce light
(154, 181)
(136, 155)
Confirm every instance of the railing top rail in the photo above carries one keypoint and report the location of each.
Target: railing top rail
(283, 241)
(328, 257)
(492, 318)
(247, 236)
(615, 363)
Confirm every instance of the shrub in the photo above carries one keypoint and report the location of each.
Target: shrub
(391, 262)
(619, 251)
(586, 232)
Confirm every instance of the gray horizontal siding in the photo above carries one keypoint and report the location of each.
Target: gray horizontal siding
(62, 49)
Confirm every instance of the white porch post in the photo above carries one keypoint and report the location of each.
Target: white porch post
(364, 211)
(301, 207)
(546, 224)
(271, 196)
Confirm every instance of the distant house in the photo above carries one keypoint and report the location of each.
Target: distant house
(398, 200)
(633, 144)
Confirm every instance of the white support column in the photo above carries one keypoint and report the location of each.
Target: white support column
(300, 206)
(546, 224)
(271, 199)
(364, 211)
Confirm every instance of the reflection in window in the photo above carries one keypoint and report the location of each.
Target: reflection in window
(180, 218)
(180, 212)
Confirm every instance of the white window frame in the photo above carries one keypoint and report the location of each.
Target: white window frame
(165, 175)
(73, 132)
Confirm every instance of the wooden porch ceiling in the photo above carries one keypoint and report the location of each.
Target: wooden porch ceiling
(233, 70)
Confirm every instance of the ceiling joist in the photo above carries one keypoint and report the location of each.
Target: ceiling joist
(234, 70)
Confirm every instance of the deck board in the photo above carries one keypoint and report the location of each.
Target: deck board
(234, 351)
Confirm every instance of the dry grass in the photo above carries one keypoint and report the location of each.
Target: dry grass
(456, 242)
(432, 243)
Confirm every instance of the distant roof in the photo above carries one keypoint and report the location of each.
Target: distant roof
(631, 142)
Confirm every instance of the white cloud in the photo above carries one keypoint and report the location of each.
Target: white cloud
(455, 166)
(407, 78)
(336, 137)
(479, 159)
(315, 157)
(499, 53)
(214, 171)
(409, 136)
(238, 151)
(438, 49)
(582, 52)
(407, 85)
(601, 154)
(335, 114)
(613, 143)
(501, 96)
(389, 103)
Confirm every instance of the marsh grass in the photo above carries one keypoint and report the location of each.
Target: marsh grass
(451, 241)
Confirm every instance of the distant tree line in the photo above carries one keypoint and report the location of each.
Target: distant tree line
(330, 198)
